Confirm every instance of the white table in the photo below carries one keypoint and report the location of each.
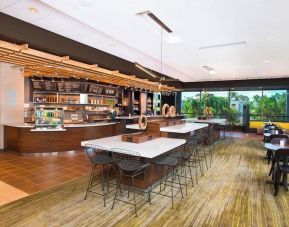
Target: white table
(184, 128)
(149, 149)
(133, 126)
(209, 121)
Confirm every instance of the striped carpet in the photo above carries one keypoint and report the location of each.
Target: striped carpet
(233, 192)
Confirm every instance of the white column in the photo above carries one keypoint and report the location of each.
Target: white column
(11, 97)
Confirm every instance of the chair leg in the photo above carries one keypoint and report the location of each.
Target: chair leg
(178, 175)
(172, 189)
(205, 157)
(90, 181)
(118, 186)
(277, 182)
(186, 179)
(134, 201)
(148, 187)
(190, 174)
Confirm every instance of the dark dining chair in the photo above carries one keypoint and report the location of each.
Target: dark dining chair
(273, 165)
(282, 167)
(274, 138)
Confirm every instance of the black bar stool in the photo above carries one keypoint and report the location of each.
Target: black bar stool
(98, 156)
(192, 144)
(183, 155)
(129, 166)
(171, 165)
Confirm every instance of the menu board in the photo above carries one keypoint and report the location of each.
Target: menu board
(61, 86)
(110, 91)
(38, 85)
(50, 86)
(95, 89)
(75, 87)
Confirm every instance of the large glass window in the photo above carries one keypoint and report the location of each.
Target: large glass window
(217, 100)
(251, 98)
(191, 103)
(274, 105)
(264, 105)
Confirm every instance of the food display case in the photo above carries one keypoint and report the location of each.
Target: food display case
(48, 118)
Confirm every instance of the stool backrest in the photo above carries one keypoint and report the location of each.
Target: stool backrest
(281, 155)
(92, 150)
(119, 154)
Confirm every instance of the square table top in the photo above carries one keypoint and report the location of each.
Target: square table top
(148, 149)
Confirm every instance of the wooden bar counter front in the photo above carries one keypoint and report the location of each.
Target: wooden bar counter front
(23, 139)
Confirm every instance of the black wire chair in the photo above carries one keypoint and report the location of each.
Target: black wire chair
(282, 168)
(129, 166)
(99, 156)
(170, 164)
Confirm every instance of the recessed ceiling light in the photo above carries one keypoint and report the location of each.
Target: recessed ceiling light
(264, 73)
(270, 39)
(85, 3)
(32, 10)
(173, 39)
(266, 61)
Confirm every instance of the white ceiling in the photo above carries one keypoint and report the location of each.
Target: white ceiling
(113, 27)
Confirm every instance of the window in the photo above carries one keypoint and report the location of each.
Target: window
(274, 105)
(191, 103)
(217, 100)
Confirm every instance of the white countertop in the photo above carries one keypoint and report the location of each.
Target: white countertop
(49, 130)
(20, 125)
(25, 125)
(89, 124)
(149, 116)
(149, 149)
(184, 128)
(219, 121)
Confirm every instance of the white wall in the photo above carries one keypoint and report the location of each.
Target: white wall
(11, 97)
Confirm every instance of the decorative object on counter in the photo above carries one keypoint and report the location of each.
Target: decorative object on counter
(165, 110)
(208, 112)
(143, 122)
(138, 137)
(172, 111)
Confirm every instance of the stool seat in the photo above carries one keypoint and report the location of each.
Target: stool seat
(183, 155)
(169, 161)
(102, 160)
(129, 166)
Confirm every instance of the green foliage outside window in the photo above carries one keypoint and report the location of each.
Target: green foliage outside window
(269, 106)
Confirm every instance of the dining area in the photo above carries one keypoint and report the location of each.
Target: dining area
(163, 167)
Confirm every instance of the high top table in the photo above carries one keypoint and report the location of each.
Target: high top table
(148, 151)
(182, 130)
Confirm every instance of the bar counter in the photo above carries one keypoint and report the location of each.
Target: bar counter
(23, 139)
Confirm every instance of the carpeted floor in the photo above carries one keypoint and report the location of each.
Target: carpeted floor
(233, 192)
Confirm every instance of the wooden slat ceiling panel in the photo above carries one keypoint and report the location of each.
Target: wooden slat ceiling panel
(36, 63)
